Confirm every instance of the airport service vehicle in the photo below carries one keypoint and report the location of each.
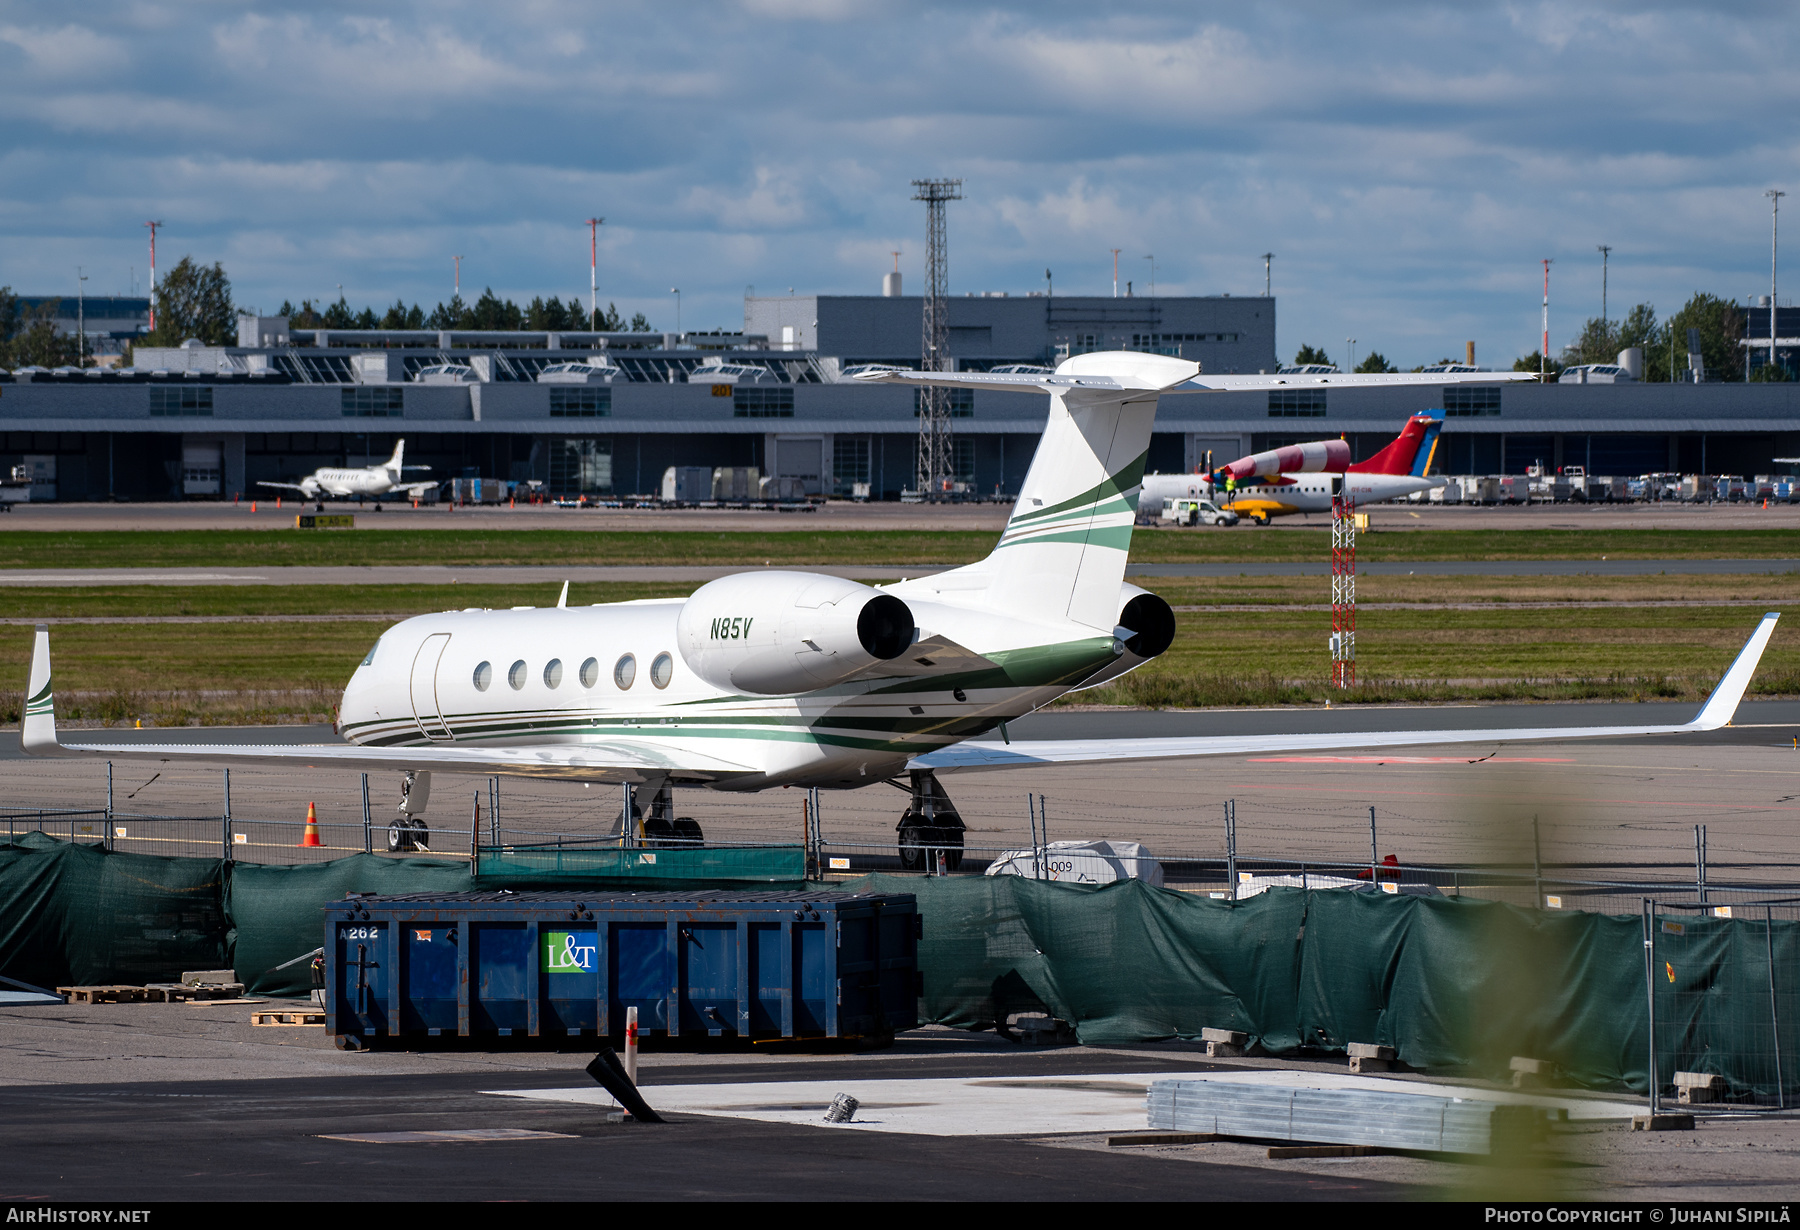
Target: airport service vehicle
(361, 482)
(1303, 478)
(790, 678)
(1197, 512)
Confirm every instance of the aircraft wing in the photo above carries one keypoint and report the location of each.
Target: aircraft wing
(1717, 712)
(416, 489)
(283, 486)
(636, 760)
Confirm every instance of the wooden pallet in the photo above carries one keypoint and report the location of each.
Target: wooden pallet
(105, 995)
(180, 992)
(289, 1016)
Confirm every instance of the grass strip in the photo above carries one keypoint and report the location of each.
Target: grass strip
(263, 548)
(271, 671)
(376, 601)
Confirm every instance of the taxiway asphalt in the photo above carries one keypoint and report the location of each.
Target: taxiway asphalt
(552, 575)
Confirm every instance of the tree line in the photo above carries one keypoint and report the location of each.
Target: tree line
(194, 300)
(1720, 323)
(28, 336)
(489, 312)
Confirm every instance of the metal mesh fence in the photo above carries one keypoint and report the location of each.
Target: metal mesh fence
(1204, 846)
(1722, 989)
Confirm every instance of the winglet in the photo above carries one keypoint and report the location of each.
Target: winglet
(38, 735)
(1723, 703)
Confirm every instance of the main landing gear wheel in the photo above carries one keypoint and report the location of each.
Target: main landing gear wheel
(1261, 519)
(662, 833)
(405, 836)
(930, 826)
(920, 844)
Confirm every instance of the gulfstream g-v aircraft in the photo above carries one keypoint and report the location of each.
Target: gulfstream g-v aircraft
(795, 678)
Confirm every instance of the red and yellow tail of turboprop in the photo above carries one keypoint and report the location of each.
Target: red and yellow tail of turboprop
(1411, 451)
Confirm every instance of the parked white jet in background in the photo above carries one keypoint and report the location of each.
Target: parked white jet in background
(784, 678)
(360, 482)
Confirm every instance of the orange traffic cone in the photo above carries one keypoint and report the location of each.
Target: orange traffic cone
(312, 827)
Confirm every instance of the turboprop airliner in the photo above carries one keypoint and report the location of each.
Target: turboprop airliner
(360, 482)
(1303, 478)
(789, 678)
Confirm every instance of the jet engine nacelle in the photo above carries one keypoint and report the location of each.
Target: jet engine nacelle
(782, 633)
(1145, 628)
(1313, 457)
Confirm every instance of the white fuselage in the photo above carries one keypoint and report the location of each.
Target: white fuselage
(603, 676)
(1297, 493)
(364, 481)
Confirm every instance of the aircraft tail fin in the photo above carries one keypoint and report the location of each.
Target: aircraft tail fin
(1410, 452)
(38, 732)
(1064, 549)
(396, 462)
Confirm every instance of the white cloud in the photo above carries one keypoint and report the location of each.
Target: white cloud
(1409, 163)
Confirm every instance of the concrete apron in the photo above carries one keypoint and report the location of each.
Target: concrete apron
(1016, 1106)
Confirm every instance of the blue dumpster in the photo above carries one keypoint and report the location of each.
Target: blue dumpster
(565, 963)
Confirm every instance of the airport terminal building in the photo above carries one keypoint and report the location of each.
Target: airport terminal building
(605, 414)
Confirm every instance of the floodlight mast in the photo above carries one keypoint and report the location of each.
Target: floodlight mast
(1605, 250)
(1774, 195)
(594, 272)
(934, 468)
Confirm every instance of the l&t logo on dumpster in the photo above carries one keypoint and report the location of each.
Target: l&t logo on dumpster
(568, 952)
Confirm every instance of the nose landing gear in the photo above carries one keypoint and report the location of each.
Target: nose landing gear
(409, 832)
(930, 826)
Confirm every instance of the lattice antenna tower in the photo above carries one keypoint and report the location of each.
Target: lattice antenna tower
(1343, 589)
(935, 466)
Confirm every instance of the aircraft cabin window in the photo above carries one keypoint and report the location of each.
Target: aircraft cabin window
(590, 672)
(484, 675)
(662, 670)
(553, 673)
(516, 676)
(625, 672)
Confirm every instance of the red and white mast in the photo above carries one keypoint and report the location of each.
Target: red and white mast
(1544, 359)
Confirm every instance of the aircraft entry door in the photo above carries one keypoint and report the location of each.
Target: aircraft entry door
(426, 709)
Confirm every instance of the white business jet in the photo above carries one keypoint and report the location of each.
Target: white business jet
(360, 482)
(785, 678)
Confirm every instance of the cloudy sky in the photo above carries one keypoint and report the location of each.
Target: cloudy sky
(1408, 164)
